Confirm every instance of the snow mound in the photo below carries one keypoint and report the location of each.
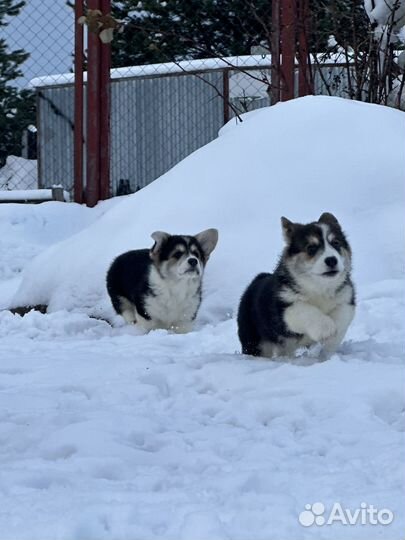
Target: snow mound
(296, 159)
(28, 229)
(19, 173)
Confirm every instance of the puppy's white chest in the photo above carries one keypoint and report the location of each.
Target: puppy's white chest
(173, 303)
(326, 304)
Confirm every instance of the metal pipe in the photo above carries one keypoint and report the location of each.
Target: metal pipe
(225, 80)
(105, 64)
(78, 106)
(305, 83)
(93, 114)
(288, 46)
(275, 52)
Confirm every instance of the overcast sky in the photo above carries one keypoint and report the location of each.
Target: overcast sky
(45, 29)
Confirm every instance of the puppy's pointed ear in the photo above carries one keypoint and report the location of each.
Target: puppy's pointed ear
(329, 219)
(288, 229)
(160, 238)
(208, 240)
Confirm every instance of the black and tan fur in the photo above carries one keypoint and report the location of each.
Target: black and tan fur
(161, 287)
(308, 299)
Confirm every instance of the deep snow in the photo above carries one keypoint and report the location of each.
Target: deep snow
(108, 434)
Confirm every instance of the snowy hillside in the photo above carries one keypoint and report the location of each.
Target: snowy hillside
(106, 434)
(297, 159)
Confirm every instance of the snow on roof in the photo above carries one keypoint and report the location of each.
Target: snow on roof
(163, 69)
(169, 68)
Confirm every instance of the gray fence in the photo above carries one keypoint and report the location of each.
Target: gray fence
(157, 120)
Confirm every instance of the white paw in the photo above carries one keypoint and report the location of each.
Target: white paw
(182, 328)
(324, 328)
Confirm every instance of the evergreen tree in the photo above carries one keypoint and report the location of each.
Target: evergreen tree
(346, 20)
(162, 31)
(167, 30)
(17, 108)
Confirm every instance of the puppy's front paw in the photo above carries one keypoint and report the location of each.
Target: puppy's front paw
(322, 329)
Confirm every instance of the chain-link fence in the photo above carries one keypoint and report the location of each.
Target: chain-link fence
(160, 114)
(36, 39)
(180, 71)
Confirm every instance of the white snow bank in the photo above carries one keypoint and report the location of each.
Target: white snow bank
(28, 229)
(296, 159)
(19, 173)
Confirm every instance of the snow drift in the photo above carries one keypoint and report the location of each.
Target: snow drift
(106, 434)
(296, 159)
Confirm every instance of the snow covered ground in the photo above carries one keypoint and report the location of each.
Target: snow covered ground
(106, 434)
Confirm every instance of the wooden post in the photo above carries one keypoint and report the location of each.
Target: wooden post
(58, 194)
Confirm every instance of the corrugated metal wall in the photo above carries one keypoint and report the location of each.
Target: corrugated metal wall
(155, 123)
(55, 136)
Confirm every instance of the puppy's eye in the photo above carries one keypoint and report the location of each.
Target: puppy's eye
(335, 243)
(177, 254)
(312, 249)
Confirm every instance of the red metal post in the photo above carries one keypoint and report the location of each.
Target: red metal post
(78, 106)
(93, 114)
(275, 52)
(105, 64)
(288, 48)
(305, 85)
(225, 85)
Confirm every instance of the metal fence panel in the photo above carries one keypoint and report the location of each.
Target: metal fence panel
(55, 142)
(37, 40)
(157, 121)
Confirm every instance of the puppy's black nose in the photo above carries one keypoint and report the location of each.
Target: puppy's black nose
(331, 262)
(192, 262)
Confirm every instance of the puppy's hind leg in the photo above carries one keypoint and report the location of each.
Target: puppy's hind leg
(247, 333)
(128, 310)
